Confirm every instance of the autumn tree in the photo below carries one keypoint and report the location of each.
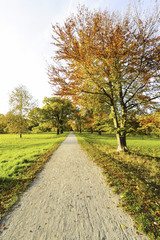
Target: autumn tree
(95, 112)
(150, 124)
(102, 53)
(77, 120)
(21, 103)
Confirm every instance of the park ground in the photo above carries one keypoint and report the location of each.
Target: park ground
(110, 168)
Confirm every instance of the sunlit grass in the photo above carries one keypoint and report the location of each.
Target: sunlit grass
(17, 154)
(135, 176)
(20, 161)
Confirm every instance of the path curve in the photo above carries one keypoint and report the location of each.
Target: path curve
(69, 201)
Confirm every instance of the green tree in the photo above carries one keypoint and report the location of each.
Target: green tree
(35, 117)
(14, 122)
(111, 55)
(3, 123)
(21, 103)
(57, 111)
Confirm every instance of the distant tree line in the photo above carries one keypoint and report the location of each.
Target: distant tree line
(63, 115)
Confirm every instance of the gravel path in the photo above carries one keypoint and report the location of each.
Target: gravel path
(69, 201)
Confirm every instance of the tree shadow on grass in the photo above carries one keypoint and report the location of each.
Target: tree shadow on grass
(149, 157)
(10, 189)
(131, 170)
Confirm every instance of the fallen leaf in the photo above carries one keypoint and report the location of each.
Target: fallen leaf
(4, 228)
(123, 226)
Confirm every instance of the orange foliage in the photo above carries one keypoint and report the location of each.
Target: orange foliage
(105, 54)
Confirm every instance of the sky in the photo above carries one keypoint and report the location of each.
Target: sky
(25, 41)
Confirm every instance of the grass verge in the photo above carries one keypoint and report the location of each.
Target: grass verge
(134, 176)
(21, 161)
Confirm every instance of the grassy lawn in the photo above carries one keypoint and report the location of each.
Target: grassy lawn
(20, 161)
(135, 176)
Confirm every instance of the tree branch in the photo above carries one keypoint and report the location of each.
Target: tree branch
(129, 107)
(141, 87)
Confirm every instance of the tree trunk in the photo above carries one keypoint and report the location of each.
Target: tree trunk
(121, 140)
(21, 126)
(57, 131)
(99, 132)
(80, 129)
(121, 134)
(61, 126)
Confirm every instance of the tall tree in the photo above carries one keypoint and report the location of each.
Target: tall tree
(107, 54)
(21, 103)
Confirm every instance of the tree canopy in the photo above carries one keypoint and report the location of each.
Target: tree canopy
(57, 111)
(106, 54)
(21, 103)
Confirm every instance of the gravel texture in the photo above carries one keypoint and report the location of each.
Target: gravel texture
(69, 200)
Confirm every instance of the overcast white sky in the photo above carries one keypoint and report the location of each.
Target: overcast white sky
(25, 37)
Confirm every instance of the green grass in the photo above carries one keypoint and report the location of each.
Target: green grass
(20, 161)
(135, 176)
